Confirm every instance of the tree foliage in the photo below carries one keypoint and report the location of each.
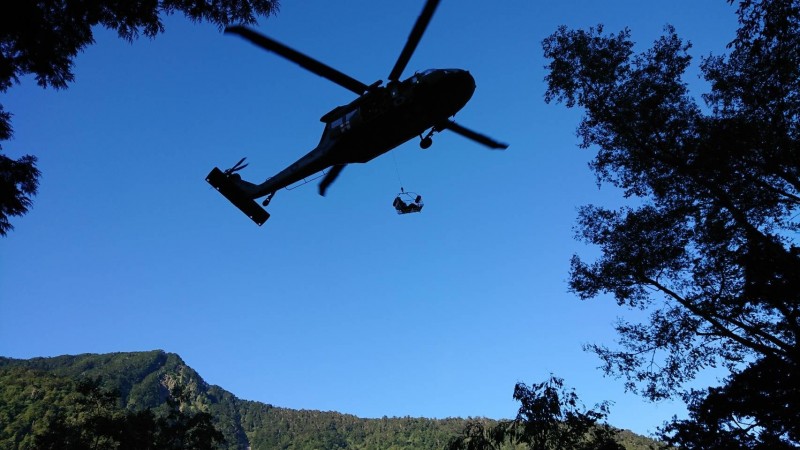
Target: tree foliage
(19, 181)
(42, 411)
(550, 417)
(270, 427)
(42, 38)
(148, 381)
(709, 250)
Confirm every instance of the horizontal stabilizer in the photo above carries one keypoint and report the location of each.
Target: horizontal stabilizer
(226, 186)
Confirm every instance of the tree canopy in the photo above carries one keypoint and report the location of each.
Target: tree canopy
(550, 417)
(43, 411)
(147, 386)
(708, 245)
(42, 38)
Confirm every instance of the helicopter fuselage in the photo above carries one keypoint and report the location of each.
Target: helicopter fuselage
(378, 121)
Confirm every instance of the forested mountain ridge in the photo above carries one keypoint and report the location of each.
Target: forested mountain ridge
(144, 380)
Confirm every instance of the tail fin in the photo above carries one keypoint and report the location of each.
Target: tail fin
(233, 188)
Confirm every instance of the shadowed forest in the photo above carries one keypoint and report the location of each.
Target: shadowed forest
(154, 400)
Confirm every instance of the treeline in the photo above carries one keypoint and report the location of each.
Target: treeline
(98, 398)
(280, 428)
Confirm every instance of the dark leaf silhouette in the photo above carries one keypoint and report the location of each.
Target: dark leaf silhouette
(710, 249)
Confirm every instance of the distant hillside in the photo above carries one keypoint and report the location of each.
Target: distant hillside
(144, 380)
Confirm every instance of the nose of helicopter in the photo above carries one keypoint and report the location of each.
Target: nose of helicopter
(463, 85)
(451, 89)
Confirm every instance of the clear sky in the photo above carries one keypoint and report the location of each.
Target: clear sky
(336, 303)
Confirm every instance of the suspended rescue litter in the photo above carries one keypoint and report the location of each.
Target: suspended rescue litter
(407, 202)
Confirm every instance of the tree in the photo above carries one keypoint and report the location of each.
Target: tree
(710, 248)
(180, 429)
(550, 417)
(19, 181)
(476, 435)
(42, 37)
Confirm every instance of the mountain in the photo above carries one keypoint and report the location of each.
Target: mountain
(144, 380)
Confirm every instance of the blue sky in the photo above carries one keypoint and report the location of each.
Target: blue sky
(336, 303)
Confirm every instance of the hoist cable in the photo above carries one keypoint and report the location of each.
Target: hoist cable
(397, 170)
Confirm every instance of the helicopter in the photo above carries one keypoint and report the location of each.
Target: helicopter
(380, 119)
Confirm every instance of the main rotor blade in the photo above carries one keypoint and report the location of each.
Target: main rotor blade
(304, 61)
(413, 39)
(475, 136)
(330, 177)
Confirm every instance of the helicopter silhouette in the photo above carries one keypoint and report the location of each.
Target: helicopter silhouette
(380, 119)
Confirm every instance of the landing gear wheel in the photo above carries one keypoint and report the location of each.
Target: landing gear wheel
(426, 140)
